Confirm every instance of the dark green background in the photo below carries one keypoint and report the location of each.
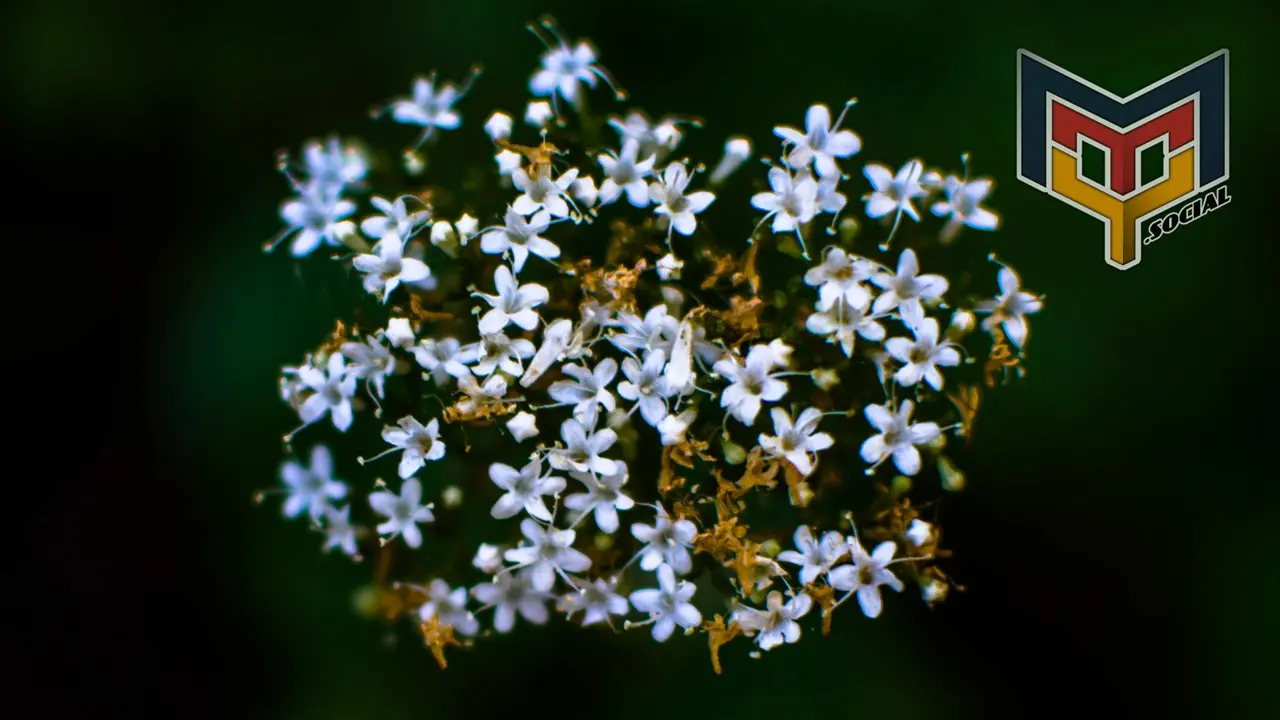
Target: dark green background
(1118, 534)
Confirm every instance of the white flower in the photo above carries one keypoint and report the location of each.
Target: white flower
(585, 191)
(403, 512)
(673, 427)
(623, 174)
(841, 275)
(866, 575)
(597, 600)
(435, 356)
(583, 445)
(394, 220)
(543, 193)
(399, 333)
(498, 126)
(1010, 308)
(310, 489)
(508, 594)
(523, 426)
(750, 384)
(588, 387)
(646, 386)
(564, 68)
(388, 268)
(815, 557)
(776, 624)
(666, 542)
(488, 559)
(332, 166)
(799, 443)
(421, 443)
(898, 437)
(449, 606)
(538, 113)
(672, 202)
(830, 199)
(655, 331)
(604, 497)
(792, 203)
(317, 216)
(496, 351)
(338, 530)
(923, 357)
(430, 108)
(655, 139)
(736, 151)
(841, 322)
(513, 305)
(894, 193)
(549, 551)
(332, 393)
(920, 533)
(524, 490)
(668, 604)
(821, 142)
(508, 161)
(669, 267)
(906, 287)
(467, 227)
(370, 361)
(962, 205)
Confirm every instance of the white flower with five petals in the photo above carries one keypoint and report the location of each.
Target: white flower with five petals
(821, 142)
(867, 573)
(798, 442)
(681, 209)
(775, 624)
(668, 604)
(513, 304)
(421, 443)
(403, 512)
(521, 238)
(1010, 308)
(525, 490)
(898, 437)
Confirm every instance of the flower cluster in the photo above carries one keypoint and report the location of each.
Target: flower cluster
(614, 375)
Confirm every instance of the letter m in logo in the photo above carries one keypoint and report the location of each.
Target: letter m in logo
(1154, 149)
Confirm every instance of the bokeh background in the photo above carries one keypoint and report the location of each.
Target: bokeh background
(1117, 536)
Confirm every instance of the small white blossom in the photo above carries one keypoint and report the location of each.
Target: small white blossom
(338, 530)
(525, 490)
(488, 559)
(815, 557)
(668, 604)
(777, 623)
(371, 361)
(317, 216)
(923, 357)
(480, 396)
(604, 497)
(962, 206)
(866, 575)
(496, 351)
(540, 192)
(585, 191)
(792, 201)
(646, 386)
(333, 165)
(841, 322)
(449, 606)
(751, 384)
(399, 333)
(509, 594)
(435, 355)
(389, 267)
(907, 287)
(429, 107)
(508, 162)
(597, 600)
(1010, 308)
(736, 151)
(395, 219)
(332, 393)
(523, 426)
(467, 228)
(403, 512)
(920, 533)
(655, 139)
(800, 442)
(564, 69)
(669, 195)
(513, 304)
(894, 193)
(498, 126)
(311, 488)
(583, 445)
(421, 443)
(587, 388)
(538, 113)
(666, 542)
(898, 437)
(841, 275)
(549, 551)
(623, 174)
(655, 331)
(673, 427)
(821, 142)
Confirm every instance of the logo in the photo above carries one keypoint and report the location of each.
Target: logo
(1144, 165)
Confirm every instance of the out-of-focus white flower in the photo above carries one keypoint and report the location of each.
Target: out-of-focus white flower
(338, 530)
(317, 216)
(737, 150)
(394, 220)
(821, 142)
(449, 606)
(564, 68)
(597, 600)
(538, 113)
(920, 533)
(669, 195)
(841, 322)
(388, 268)
(624, 174)
(430, 107)
(604, 497)
(669, 267)
(498, 126)
(399, 333)
(488, 559)
(540, 192)
(962, 206)
(311, 488)
(668, 605)
(1010, 308)
(523, 426)
(583, 448)
(403, 512)
(332, 393)
(525, 490)
(510, 594)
